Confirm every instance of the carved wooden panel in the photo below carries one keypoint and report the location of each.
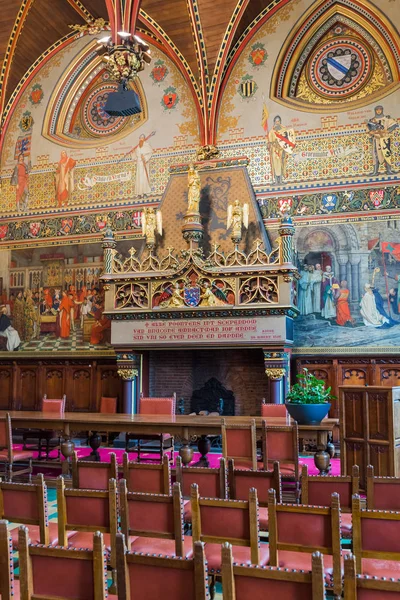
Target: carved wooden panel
(378, 415)
(54, 382)
(354, 377)
(79, 389)
(354, 415)
(6, 388)
(355, 454)
(379, 458)
(27, 395)
(389, 377)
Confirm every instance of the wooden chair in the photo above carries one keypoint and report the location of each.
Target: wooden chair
(318, 489)
(10, 457)
(9, 587)
(45, 437)
(376, 541)
(91, 475)
(383, 493)
(234, 521)
(298, 530)
(154, 577)
(361, 587)
(85, 512)
(211, 481)
(165, 442)
(244, 582)
(26, 503)
(108, 406)
(239, 441)
(281, 443)
(154, 522)
(273, 410)
(242, 480)
(149, 479)
(62, 573)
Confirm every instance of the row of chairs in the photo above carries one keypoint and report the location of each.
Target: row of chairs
(81, 574)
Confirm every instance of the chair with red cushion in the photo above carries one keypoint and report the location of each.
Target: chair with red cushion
(62, 573)
(318, 489)
(244, 582)
(281, 443)
(234, 521)
(361, 587)
(242, 480)
(376, 541)
(85, 512)
(108, 406)
(9, 587)
(151, 577)
(165, 442)
(211, 481)
(90, 475)
(10, 457)
(383, 493)
(269, 411)
(298, 530)
(239, 441)
(45, 437)
(26, 503)
(154, 522)
(149, 479)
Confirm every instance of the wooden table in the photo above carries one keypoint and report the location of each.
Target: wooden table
(184, 428)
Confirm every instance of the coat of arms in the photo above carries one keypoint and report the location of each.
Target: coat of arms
(247, 87)
(159, 71)
(285, 204)
(258, 55)
(191, 295)
(137, 219)
(26, 122)
(23, 146)
(170, 98)
(101, 221)
(34, 228)
(66, 226)
(3, 231)
(329, 201)
(36, 95)
(376, 197)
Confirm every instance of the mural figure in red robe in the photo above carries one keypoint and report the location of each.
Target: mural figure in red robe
(64, 179)
(343, 315)
(20, 179)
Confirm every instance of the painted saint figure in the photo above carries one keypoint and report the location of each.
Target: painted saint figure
(65, 316)
(64, 179)
(369, 311)
(329, 283)
(151, 224)
(316, 282)
(343, 314)
(379, 128)
(142, 154)
(20, 179)
(305, 290)
(18, 315)
(281, 141)
(7, 331)
(194, 186)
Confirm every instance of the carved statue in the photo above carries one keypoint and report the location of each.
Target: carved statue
(238, 216)
(194, 186)
(172, 297)
(151, 223)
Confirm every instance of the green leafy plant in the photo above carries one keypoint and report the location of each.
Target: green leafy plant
(309, 390)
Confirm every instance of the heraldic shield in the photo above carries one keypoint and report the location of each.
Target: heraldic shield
(191, 295)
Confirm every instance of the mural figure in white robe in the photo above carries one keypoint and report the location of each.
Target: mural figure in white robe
(143, 153)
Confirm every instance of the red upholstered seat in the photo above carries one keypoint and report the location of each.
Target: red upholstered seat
(84, 539)
(301, 561)
(161, 546)
(18, 455)
(108, 405)
(241, 555)
(187, 511)
(376, 567)
(34, 535)
(273, 410)
(263, 518)
(346, 525)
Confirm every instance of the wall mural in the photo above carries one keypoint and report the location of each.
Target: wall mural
(310, 108)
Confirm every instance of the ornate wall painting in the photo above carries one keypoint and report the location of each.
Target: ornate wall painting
(102, 156)
(348, 293)
(54, 299)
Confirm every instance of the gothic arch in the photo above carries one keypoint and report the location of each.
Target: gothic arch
(344, 238)
(342, 53)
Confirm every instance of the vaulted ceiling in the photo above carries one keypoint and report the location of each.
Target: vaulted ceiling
(199, 33)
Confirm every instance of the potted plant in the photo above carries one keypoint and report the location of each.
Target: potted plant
(308, 402)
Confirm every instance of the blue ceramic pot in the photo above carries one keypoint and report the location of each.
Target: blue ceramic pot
(308, 414)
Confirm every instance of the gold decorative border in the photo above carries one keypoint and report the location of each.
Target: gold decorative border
(321, 350)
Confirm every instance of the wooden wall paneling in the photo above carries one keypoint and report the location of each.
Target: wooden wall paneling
(109, 384)
(388, 376)
(6, 387)
(79, 388)
(54, 382)
(27, 388)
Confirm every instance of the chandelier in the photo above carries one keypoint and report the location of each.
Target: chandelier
(126, 59)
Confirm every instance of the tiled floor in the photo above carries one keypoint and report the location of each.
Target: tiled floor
(49, 343)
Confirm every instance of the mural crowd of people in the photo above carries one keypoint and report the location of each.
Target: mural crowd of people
(320, 293)
(28, 314)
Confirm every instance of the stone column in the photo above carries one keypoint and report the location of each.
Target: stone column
(129, 371)
(277, 369)
(342, 260)
(109, 245)
(355, 277)
(286, 233)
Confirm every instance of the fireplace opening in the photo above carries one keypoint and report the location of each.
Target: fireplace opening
(213, 397)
